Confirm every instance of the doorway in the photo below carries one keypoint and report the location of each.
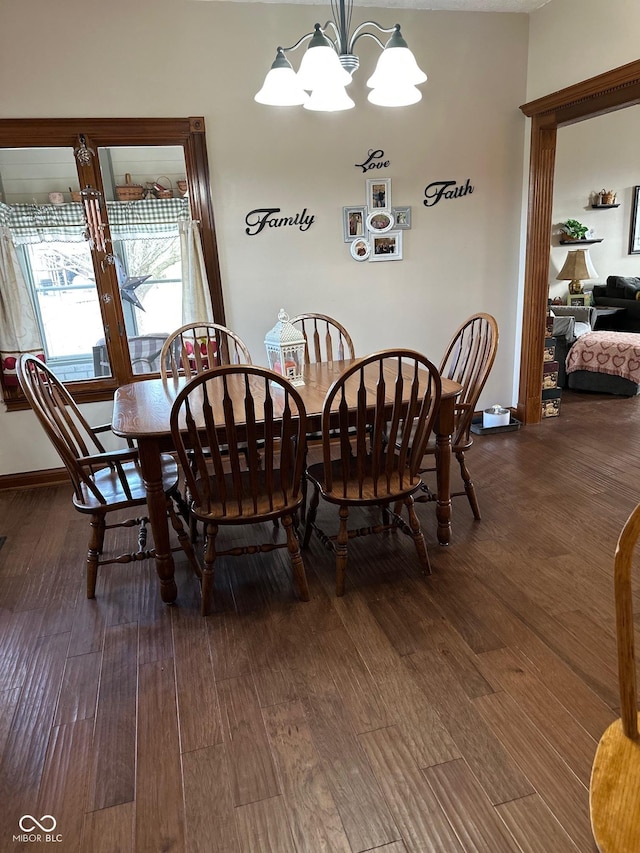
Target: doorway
(613, 90)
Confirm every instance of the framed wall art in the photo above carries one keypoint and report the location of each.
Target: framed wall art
(634, 234)
(386, 247)
(378, 193)
(402, 216)
(578, 299)
(380, 221)
(360, 249)
(353, 222)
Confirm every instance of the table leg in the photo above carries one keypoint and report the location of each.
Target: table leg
(444, 431)
(149, 451)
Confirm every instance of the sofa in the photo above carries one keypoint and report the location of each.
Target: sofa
(569, 322)
(620, 292)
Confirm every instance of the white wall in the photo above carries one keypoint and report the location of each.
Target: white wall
(572, 40)
(601, 153)
(162, 58)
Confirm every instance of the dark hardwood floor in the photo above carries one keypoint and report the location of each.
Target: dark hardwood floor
(458, 712)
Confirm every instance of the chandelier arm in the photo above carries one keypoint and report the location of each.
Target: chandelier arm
(337, 43)
(357, 33)
(300, 41)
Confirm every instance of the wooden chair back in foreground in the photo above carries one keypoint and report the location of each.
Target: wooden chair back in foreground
(103, 481)
(327, 340)
(198, 346)
(614, 791)
(468, 360)
(218, 420)
(393, 395)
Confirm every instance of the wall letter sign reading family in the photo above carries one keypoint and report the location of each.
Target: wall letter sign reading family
(444, 189)
(263, 217)
(374, 160)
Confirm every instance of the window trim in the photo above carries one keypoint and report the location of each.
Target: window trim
(102, 133)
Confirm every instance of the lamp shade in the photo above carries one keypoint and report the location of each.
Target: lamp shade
(320, 65)
(329, 99)
(577, 266)
(281, 87)
(396, 66)
(399, 96)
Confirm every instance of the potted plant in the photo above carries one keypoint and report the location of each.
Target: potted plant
(573, 230)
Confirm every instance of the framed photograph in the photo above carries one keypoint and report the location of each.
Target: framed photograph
(380, 221)
(634, 234)
(353, 222)
(402, 216)
(378, 193)
(360, 249)
(579, 299)
(386, 247)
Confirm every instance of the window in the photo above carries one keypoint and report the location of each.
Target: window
(104, 304)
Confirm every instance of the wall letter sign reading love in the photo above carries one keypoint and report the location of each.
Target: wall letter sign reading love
(374, 160)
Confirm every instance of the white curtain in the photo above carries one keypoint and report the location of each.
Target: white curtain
(19, 330)
(196, 299)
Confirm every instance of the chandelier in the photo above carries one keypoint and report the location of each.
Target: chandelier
(328, 64)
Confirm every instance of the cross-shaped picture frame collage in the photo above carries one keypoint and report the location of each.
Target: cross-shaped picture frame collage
(374, 229)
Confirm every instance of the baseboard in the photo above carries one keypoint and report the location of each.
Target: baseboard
(34, 479)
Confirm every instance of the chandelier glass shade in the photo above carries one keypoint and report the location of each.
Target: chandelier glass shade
(327, 67)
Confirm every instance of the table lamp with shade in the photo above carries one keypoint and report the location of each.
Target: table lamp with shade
(577, 267)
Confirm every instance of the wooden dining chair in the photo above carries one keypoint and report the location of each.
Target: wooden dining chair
(198, 346)
(327, 339)
(396, 394)
(103, 481)
(614, 790)
(468, 360)
(213, 416)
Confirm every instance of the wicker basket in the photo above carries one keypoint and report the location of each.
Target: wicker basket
(160, 190)
(76, 195)
(154, 189)
(129, 191)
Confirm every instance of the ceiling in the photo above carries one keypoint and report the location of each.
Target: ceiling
(443, 5)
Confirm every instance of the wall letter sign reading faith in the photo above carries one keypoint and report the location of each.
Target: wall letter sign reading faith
(444, 189)
(256, 220)
(374, 160)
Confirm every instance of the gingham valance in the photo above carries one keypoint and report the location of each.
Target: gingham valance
(129, 220)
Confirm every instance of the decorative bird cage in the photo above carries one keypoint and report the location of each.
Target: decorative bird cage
(285, 349)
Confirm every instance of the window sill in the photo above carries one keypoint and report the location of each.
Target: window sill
(19, 403)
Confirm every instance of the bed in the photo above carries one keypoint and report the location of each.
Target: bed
(606, 362)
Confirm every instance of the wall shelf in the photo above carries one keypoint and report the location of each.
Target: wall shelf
(579, 242)
(604, 206)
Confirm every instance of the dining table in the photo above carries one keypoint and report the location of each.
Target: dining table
(142, 410)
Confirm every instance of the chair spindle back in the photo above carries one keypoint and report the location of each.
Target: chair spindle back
(200, 346)
(327, 340)
(222, 417)
(398, 393)
(63, 422)
(468, 361)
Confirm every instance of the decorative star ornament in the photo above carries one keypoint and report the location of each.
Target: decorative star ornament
(128, 285)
